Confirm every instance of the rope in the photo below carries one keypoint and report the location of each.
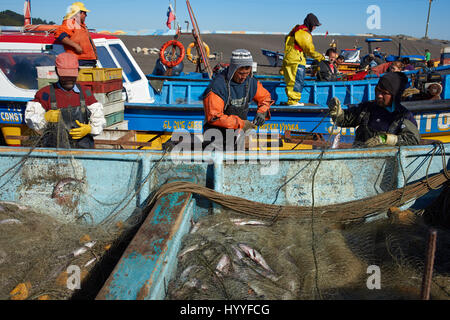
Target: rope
(347, 211)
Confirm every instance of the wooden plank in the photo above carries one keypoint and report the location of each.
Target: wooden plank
(143, 261)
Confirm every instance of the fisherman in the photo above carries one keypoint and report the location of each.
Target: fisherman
(75, 37)
(427, 55)
(383, 122)
(66, 113)
(226, 100)
(298, 44)
(396, 66)
(328, 70)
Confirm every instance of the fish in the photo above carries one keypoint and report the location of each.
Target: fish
(10, 221)
(195, 226)
(60, 185)
(243, 273)
(184, 275)
(237, 252)
(191, 248)
(255, 256)
(223, 265)
(83, 249)
(90, 262)
(21, 207)
(336, 141)
(243, 222)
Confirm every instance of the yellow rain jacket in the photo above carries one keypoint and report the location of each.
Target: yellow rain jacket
(298, 45)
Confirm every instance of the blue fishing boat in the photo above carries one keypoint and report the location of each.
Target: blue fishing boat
(118, 183)
(164, 104)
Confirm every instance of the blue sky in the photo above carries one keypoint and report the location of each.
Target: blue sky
(337, 16)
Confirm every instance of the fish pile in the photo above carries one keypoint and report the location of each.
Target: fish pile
(227, 256)
(44, 258)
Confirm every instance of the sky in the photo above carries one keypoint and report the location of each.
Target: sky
(406, 17)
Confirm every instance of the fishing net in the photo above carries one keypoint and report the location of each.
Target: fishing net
(232, 256)
(47, 243)
(38, 250)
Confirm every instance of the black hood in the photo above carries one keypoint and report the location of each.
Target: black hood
(311, 21)
(395, 83)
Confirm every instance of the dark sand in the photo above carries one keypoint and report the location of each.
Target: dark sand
(225, 43)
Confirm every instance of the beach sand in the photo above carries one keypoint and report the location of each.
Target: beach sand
(224, 44)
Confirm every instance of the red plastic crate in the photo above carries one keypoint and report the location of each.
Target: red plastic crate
(103, 86)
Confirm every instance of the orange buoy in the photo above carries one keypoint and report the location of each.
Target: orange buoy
(172, 63)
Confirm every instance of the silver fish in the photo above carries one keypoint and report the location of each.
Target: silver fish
(191, 248)
(242, 272)
(223, 265)
(10, 221)
(336, 141)
(195, 226)
(243, 222)
(184, 275)
(255, 256)
(21, 207)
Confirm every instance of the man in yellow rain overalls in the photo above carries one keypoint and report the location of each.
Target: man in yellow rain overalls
(298, 44)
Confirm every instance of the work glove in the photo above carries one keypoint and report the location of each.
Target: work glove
(52, 115)
(83, 130)
(334, 105)
(381, 140)
(248, 126)
(259, 119)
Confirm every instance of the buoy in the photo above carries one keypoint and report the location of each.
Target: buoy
(173, 63)
(193, 58)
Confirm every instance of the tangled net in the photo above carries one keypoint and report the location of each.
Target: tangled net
(215, 262)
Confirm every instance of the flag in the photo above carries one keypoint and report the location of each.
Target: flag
(27, 12)
(170, 16)
(326, 34)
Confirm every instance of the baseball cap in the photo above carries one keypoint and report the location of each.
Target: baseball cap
(67, 64)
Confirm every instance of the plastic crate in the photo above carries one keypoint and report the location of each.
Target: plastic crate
(114, 118)
(99, 74)
(113, 107)
(123, 125)
(45, 82)
(112, 96)
(103, 86)
(46, 72)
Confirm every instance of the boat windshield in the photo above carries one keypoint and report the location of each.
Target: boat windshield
(350, 55)
(125, 63)
(105, 58)
(20, 68)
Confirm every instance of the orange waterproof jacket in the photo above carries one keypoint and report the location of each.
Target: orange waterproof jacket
(77, 33)
(214, 109)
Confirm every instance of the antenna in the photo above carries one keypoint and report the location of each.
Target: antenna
(428, 20)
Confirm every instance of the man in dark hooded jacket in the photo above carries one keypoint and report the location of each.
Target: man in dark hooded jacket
(383, 121)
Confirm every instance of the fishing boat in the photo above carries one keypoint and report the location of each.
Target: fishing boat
(162, 104)
(118, 183)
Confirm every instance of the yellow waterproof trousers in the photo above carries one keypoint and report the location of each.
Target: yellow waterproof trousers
(294, 77)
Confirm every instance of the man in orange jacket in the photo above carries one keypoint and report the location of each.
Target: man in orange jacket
(75, 37)
(226, 100)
